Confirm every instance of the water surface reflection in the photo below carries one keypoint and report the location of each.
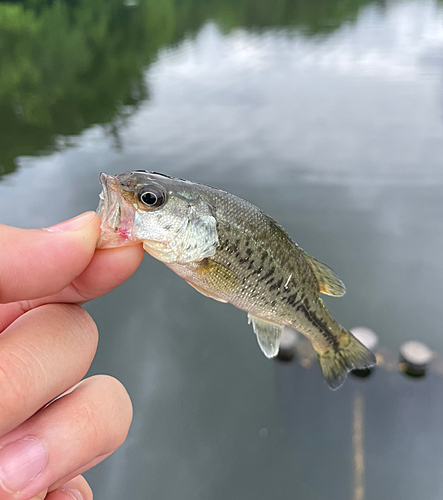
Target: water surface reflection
(68, 65)
(327, 115)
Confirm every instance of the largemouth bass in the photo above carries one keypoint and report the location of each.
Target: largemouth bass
(229, 250)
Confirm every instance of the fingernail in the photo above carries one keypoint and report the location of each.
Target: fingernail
(75, 494)
(20, 463)
(72, 224)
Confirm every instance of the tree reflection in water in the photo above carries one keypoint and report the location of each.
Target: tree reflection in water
(67, 65)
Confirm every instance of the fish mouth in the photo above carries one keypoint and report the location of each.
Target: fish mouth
(116, 215)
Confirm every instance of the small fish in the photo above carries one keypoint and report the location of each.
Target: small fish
(231, 251)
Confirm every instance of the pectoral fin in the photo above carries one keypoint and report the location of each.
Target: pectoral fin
(206, 293)
(208, 277)
(329, 283)
(268, 335)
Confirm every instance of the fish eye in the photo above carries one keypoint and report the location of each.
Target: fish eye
(151, 196)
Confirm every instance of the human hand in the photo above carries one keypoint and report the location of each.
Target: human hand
(47, 343)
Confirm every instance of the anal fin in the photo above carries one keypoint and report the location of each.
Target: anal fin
(268, 335)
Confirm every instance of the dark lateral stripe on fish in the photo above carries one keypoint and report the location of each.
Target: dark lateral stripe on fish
(249, 252)
(277, 285)
(292, 299)
(267, 275)
(318, 323)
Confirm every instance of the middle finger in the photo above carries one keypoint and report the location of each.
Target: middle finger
(107, 269)
(43, 353)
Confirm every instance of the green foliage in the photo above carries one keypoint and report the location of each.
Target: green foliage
(312, 17)
(68, 64)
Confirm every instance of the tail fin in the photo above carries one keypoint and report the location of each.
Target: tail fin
(350, 355)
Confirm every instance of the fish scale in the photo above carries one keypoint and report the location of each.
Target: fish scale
(229, 250)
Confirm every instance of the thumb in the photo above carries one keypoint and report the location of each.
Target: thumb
(35, 262)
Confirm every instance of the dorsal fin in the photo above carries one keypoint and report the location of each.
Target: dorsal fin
(328, 282)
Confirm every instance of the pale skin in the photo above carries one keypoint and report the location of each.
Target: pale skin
(47, 343)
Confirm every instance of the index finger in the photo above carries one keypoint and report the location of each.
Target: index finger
(106, 270)
(36, 263)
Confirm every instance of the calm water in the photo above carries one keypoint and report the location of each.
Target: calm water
(326, 114)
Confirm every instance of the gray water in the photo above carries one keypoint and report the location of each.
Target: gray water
(331, 121)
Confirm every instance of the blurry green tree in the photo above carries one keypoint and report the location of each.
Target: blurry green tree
(67, 65)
